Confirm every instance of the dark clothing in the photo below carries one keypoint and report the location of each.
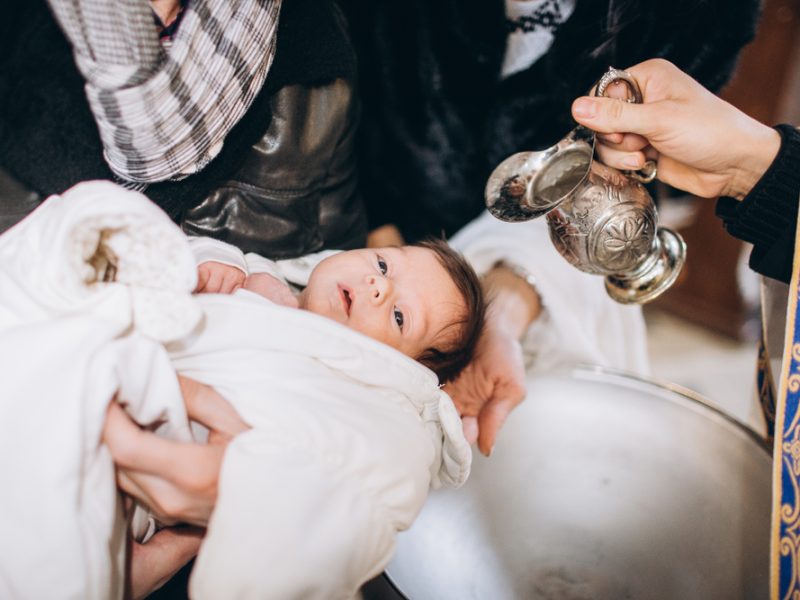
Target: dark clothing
(296, 191)
(767, 217)
(436, 118)
(283, 193)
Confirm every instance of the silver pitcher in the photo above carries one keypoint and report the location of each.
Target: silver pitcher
(601, 220)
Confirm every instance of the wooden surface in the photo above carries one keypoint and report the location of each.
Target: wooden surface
(766, 86)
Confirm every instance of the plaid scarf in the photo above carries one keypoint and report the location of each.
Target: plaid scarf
(164, 115)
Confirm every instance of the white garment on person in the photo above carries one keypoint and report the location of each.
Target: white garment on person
(294, 271)
(347, 435)
(532, 25)
(580, 324)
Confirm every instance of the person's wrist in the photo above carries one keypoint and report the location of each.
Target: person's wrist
(514, 301)
(759, 152)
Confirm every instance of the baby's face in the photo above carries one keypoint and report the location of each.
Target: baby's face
(400, 296)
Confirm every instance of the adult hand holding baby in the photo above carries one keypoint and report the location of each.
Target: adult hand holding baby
(702, 144)
(176, 480)
(489, 387)
(493, 384)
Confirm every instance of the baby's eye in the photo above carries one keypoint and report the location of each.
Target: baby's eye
(398, 317)
(382, 266)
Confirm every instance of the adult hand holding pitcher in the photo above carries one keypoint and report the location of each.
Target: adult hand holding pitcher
(601, 220)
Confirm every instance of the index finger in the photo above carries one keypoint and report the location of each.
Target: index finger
(208, 407)
(490, 420)
(611, 115)
(131, 446)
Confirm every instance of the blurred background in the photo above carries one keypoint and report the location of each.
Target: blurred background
(702, 332)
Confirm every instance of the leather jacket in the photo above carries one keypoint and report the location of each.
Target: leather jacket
(296, 191)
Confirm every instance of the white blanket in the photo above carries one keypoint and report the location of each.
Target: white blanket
(347, 435)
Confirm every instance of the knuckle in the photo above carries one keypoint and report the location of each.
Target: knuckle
(514, 397)
(470, 408)
(616, 109)
(172, 506)
(191, 482)
(200, 483)
(662, 63)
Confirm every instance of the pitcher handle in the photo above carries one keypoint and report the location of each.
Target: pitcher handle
(649, 170)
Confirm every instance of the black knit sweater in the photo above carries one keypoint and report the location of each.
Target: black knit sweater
(767, 217)
(437, 118)
(48, 137)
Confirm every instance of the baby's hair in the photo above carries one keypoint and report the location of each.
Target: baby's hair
(449, 359)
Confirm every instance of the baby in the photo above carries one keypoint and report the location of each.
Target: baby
(424, 300)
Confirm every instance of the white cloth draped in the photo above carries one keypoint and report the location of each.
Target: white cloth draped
(348, 434)
(67, 344)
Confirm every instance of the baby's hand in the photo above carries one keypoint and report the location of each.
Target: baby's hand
(271, 288)
(218, 278)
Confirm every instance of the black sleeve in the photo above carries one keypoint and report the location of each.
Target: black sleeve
(767, 217)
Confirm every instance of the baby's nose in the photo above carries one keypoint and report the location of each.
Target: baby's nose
(379, 288)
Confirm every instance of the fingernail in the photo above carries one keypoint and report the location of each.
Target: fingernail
(584, 108)
(470, 426)
(631, 162)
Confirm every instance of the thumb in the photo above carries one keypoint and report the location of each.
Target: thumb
(610, 115)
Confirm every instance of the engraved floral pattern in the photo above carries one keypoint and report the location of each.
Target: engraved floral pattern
(626, 241)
